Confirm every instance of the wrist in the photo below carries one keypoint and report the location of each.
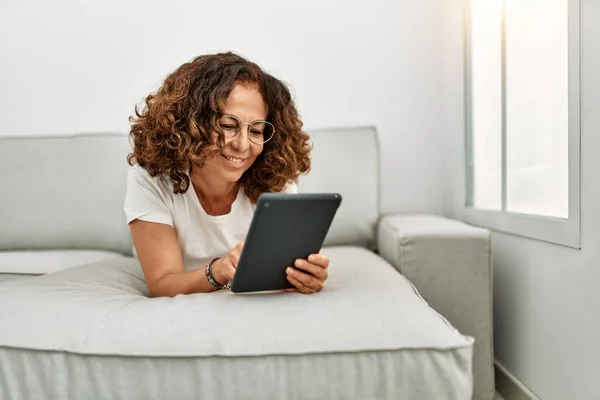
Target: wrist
(213, 275)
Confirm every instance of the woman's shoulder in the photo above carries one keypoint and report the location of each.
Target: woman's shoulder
(139, 176)
(147, 198)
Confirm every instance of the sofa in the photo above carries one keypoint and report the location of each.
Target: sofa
(405, 314)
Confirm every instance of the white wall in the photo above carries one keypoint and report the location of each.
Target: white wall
(547, 297)
(73, 65)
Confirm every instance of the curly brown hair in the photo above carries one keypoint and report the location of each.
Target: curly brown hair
(172, 132)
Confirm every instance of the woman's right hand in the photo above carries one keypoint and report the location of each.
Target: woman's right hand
(224, 268)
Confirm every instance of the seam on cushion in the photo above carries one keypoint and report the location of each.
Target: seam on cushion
(401, 241)
(396, 231)
(490, 305)
(469, 338)
(378, 172)
(467, 345)
(401, 254)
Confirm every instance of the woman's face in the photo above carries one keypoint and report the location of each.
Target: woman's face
(246, 104)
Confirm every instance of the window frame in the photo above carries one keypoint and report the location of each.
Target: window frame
(566, 232)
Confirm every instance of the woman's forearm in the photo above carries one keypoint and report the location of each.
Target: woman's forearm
(186, 282)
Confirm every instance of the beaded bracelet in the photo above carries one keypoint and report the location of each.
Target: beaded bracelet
(209, 276)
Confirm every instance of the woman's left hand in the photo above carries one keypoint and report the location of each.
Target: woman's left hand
(310, 275)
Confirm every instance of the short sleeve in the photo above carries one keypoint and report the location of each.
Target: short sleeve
(144, 198)
(291, 188)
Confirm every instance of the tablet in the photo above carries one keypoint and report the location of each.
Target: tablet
(284, 227)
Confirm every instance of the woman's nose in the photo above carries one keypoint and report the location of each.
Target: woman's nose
(241, 141)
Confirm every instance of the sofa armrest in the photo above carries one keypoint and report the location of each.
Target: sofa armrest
(450, 264)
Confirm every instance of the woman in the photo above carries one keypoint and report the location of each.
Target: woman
(218, 133)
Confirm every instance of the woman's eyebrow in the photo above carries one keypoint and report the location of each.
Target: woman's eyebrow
(238, 118)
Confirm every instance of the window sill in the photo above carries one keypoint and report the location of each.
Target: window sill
(552, 230)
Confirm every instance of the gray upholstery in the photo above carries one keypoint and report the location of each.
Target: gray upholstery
(450, 264)
(8, 277)
(63, 192)
(67, 191)
(37, 262)
(347, 161)
(65, 208)
(365, 336)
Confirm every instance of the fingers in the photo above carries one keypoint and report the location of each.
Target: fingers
(319, 259)
(305, 283)
(229, 272)
(314, 278)
(300, 286)
(235, 254)
(317, 271)
(224, 268)
(223, 271)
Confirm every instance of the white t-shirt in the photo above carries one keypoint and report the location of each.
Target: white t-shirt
(201, 237)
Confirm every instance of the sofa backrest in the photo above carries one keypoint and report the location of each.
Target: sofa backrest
(67, 191)
(346, 161)
(64, 192)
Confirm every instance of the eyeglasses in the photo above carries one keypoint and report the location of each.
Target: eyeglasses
(259, 132)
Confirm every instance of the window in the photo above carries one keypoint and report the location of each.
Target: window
(522, 118)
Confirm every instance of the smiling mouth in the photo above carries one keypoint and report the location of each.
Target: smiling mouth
(234, 160)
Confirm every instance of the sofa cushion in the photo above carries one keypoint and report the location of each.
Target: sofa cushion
(47, 261)
(64, 192)
(368, 334)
